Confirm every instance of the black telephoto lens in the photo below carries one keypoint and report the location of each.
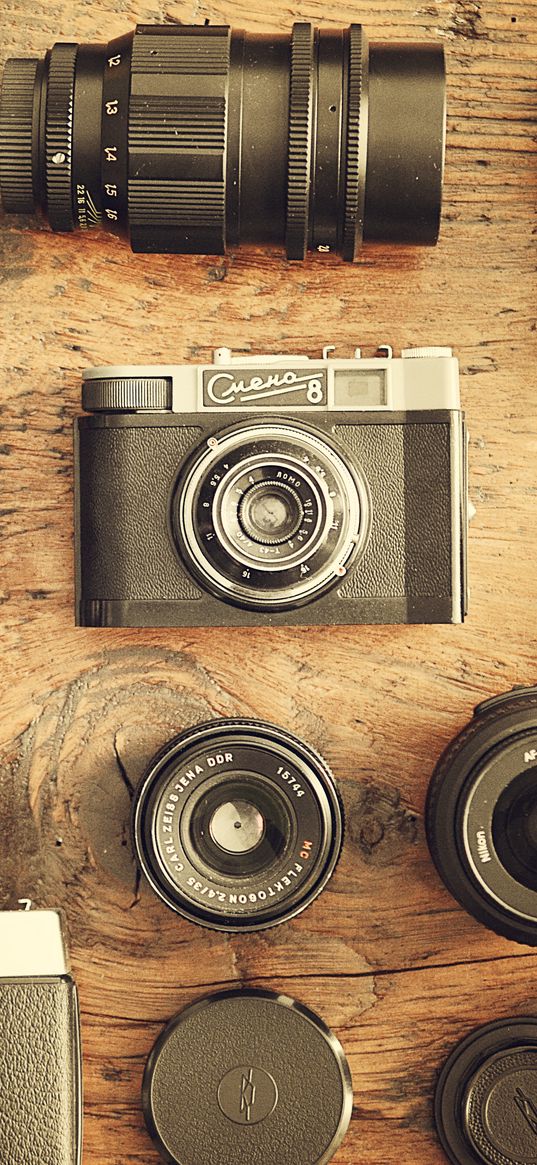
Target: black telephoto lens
(237, 825)
(188, 139)
(481, 815)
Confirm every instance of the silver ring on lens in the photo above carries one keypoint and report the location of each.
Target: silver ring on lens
(270, 515)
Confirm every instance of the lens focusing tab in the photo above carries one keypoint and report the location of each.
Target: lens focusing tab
(237, 825)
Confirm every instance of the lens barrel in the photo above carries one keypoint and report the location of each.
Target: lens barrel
(237, 825)
(481, 815)
(189, 139)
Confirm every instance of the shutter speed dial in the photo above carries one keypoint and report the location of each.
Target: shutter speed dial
(127, 394)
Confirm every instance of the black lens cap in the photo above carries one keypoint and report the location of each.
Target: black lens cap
(247, 1078)
(486, 1096)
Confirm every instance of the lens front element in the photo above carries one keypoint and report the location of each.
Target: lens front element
(237, 825)
(269, 515)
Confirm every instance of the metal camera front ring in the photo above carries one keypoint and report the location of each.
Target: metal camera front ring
(237, 825)
(307, 486)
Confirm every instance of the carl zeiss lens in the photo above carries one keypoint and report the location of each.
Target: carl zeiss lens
(269, 515)
(237, 825)
(482, 815)
(188, 139)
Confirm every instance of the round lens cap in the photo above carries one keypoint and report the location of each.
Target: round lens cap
(486, 1097)
(247, 1077)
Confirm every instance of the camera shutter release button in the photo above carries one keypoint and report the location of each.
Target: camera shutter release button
(127, 394)
(501, 1108)
(426, 353)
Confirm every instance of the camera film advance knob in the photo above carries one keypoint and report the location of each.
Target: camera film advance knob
(486, 1096)
(247, 1076)
(127, 394)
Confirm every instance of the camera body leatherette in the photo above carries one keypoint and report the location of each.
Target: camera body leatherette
(128, 571)
(40, 1077)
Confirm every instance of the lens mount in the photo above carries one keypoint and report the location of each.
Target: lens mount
(237, 825)
(269, 515)
(482, 815)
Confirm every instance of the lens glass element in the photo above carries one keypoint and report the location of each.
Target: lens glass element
(237, 825)
(514, 828)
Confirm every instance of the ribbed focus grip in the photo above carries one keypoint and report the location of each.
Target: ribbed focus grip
(59, 136)
(300, 145)
(356, 147)
(127, 395)
(177, 139)
(16, 117)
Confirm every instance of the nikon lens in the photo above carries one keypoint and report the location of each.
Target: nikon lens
(482, 815)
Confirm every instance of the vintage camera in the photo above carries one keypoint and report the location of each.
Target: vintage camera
(273, 490)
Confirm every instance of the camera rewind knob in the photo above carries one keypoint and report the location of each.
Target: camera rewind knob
(127, 394)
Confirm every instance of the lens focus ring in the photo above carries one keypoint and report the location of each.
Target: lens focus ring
(16, 123)
(59, 136)
(356, 147)
(177, 139)
(300, 125)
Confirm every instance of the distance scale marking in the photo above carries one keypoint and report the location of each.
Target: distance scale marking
(114, 137)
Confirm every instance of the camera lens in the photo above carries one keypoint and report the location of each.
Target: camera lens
(188, 139)
(486, 1096)
(269, 515)
(482, 815)
(237, 825)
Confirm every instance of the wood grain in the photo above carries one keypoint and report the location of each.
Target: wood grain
(385, 955)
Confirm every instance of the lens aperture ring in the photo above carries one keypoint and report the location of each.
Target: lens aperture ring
(300, 133)
(16, 121)
(356, 145)
(59, 136)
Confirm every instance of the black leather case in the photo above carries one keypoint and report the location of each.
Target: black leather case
(40, 1079)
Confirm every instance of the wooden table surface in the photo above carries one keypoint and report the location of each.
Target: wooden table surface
(385, 955)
